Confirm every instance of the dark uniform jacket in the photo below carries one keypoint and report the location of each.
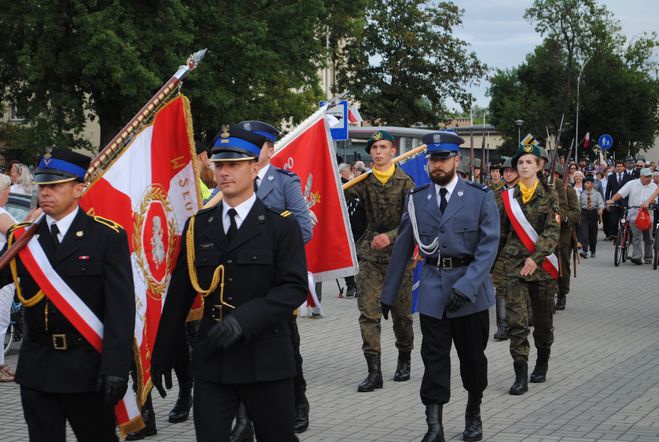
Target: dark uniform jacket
(265, 279)
(94, 260)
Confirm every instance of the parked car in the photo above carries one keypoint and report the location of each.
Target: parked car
(18, 205)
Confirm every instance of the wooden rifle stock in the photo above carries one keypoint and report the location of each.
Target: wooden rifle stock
(400, 158)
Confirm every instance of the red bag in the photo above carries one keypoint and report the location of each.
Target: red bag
(643, 220)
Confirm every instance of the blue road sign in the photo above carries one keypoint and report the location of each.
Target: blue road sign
(340, 112)
(605, 141)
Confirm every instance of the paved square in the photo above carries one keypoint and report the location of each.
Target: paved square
(602, 385)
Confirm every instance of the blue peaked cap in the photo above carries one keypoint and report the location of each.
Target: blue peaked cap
(261, 128)
(442, 144)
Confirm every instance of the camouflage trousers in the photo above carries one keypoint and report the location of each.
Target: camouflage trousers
(539, 296)
(498, 279)
(369, 287)
(564, 253)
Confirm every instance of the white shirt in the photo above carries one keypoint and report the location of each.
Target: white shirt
(637, 193)
(63, 224)
(450, 187)
(3, 237)
(242, 210)
(261, 174)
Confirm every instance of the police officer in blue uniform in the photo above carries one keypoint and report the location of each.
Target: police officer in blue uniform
(249, 263)
(455, 223)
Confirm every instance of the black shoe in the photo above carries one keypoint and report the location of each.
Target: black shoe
(583, 255)
(374, 378)
(473, 424)
(502, 321)
(637, 261)
(243, 431)
(181, 410)
(592, 254)
(560, 302)
(404, 366)
(351, 292)
(539, 374)
(149, 418)
(301, 416)
(521, 384)
(435, 431)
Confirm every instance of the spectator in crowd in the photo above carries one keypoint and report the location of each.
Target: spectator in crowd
(653, 166)
(590, 171)
(629, 164)
(640, 164)
(616, 180)
(603, 180)
(639, 191)
(655, 177)
(21, 177)
(358, 168)
(592, 205)
(6, 292)
(572, 168)
(345, 172)
(578, 182)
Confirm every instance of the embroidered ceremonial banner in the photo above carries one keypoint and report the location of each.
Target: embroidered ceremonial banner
(525, 231)
(309, 152)
(151, 190)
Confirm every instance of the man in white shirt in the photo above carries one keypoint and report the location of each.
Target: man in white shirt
(638, 191)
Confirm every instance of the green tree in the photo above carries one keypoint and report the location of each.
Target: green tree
(405, 62)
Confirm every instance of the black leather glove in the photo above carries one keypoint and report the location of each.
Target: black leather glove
(157, 373)
(113, 388)
(385, 310)
(225, 333)
(456, 301)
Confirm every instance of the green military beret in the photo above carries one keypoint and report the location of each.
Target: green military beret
(525, 149)
(377, 136)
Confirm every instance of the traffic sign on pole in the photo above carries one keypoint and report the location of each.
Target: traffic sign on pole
(340, 112)
(605, 141)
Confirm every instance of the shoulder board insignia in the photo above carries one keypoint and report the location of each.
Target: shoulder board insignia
(479, 186)
(286, 213)
(284, 171)
(417, 189)
(108, 223)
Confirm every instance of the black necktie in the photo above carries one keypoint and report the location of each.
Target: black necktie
(442, 203)
(54, 231)
(233, 227)
(619, 178)
(256, 184)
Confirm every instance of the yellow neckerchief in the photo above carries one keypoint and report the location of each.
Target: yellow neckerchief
(383, 177)
(527, 192)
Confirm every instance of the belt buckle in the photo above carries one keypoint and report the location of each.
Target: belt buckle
(447, 263)
(59, 342)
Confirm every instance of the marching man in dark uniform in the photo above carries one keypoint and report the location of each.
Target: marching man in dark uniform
(249, 264)
(62, 376)
(455, 223)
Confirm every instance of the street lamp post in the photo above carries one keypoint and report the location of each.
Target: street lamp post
(519, 124)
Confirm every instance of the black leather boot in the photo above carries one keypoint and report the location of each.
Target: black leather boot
(181, 410)
(539, 374)
(502, 321)
(374, 378)
(560, 302)
(434, 420)
(149, 418)
(301, 415)
(521, 384)
(243, 431)
(404, 366)
(473, 423)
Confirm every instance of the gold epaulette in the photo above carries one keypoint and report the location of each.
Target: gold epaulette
(286, 213)
(108, 223)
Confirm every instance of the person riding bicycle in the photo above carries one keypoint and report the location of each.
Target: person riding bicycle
(639, 192)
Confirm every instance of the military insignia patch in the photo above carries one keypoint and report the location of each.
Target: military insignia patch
(377, 136)
(460, 193)
(225, 132)
(528, 148)
(47, 155)
(437, 138)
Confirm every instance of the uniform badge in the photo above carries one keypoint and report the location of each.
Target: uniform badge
(206, 245)
(270, 178)
(225, 134)
(47, 155)
(437, 138)
(79, 233)
(377, 136)
(460, 193)
(261, 217)
(210, 220)
(84, 258)
(528, 148)
(429, 196)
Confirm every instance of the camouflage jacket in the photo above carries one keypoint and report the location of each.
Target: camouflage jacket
(543, 213)
(569, 204)
(383, 204)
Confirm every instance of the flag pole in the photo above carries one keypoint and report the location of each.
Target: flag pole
(118, 142)
(399, 159)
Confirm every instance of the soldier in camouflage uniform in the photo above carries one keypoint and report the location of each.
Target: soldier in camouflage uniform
(525, 278)
(495, 182)
(510, 178)
(383, 195)
(570, 217)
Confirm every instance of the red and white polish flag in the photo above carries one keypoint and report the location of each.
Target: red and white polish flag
(151, 190)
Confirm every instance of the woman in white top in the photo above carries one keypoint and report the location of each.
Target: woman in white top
(578, 182)
(6, 292)
(22, 178)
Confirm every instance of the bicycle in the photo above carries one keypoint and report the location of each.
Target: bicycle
(15, 329)
(623, 238)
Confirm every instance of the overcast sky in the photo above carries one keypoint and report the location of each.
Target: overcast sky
(498, 33)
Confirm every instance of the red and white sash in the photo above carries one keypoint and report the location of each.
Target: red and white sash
(525, 231)
(77, 313)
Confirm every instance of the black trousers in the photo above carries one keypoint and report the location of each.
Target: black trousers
(469, 333)
(46, 415)
(270, 405)
(613, 214)
(299, 381)
(589, 218)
